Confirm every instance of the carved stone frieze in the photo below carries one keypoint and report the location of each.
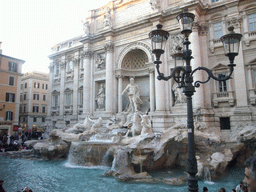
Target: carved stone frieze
(176, 42)
(234, 21)
(100, 62)
(155, 4)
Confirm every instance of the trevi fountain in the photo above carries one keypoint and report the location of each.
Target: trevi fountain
(132, 151)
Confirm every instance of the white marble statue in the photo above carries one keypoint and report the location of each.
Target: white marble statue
(179, 97)
(80, 127)
(100, 98)
(86, 27)
(107, 18)
(136, 125)
(146, 125)
(133, 93)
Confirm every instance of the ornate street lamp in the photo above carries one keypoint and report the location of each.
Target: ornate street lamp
(184, 76)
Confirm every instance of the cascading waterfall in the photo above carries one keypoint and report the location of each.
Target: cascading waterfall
(207, 174)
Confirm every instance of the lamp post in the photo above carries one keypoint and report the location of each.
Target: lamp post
(183, 76)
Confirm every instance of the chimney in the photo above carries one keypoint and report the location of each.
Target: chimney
(0, 47)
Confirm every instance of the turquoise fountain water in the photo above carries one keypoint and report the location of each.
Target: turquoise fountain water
(59, 176)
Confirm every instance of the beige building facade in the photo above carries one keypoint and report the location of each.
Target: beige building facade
(33, 101)
(115, 46)
(10, 76)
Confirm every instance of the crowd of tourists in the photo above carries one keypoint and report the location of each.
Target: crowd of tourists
(16, 142)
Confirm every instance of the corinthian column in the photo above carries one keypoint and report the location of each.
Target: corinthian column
(152, 90)
(49, 107)
(75, 84)
(109, 77)
(198, 98)
(87, 82)
(120, 89)
(62, 86)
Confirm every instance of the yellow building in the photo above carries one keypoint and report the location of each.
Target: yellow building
(33, 101)
(10, 76)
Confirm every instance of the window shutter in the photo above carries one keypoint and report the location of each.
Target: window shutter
(7, 97)
(10, 65)
(13, 98)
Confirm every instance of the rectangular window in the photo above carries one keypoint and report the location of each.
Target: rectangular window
(80, 98)
(10, 97)
(44, 97)
(36, 97)
(35, 85)
(21, 96)
(224, 123)
(35, 109)
(68, 99)
(42, 86)
(57, 69)
(24, 108)
(43, 109)
(213, 1)
(21, 86)
(11, 80)
(9, 115)
(217, 28)
(25, 96)
(70, 66)
(38, 85)
(34, 119)
(46, 86)
(26, 85)
(56, 100)
(252, 22)
(222, 84)
(43, 119)
(12, 66)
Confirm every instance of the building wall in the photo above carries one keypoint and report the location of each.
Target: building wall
(5, 73)
(115, 30)
(27, 117)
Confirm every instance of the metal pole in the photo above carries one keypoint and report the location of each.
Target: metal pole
(189, 90)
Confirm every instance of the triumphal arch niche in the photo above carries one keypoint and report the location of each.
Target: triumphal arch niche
(135, 61)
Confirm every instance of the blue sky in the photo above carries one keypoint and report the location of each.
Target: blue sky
(29, 28)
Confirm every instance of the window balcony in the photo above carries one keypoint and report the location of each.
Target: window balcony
(223, 97)
(55, 111)
(249, 36)
(68, 109)
(252, 96)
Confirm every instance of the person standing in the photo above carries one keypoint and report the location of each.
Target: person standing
(250, 174)
(1, 186)
(239, 187)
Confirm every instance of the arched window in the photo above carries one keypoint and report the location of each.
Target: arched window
(135, 59)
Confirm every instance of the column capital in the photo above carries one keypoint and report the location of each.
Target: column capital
(62, 64)
(86, 54)
(120, 76)
(151, 70)
(76, 61)
(109, 47)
